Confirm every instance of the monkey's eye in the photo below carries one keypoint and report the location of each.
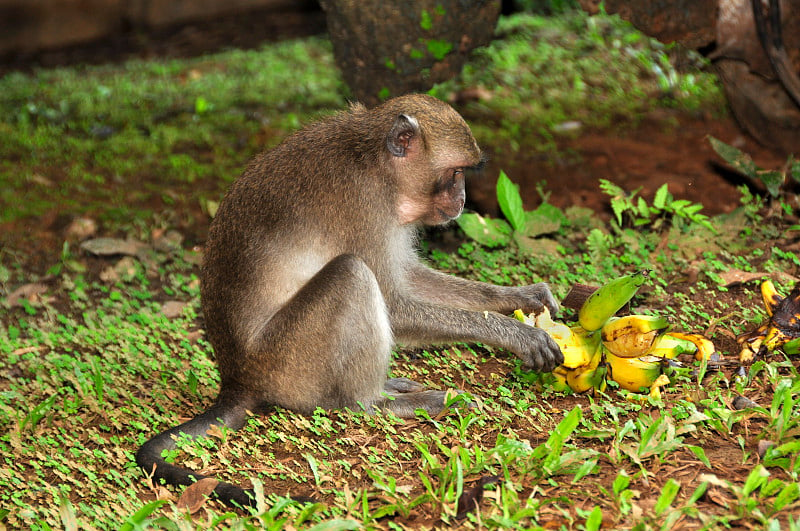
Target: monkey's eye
(458, 171)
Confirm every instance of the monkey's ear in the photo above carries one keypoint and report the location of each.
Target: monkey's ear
(403, 131)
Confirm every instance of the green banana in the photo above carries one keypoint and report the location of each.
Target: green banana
(609, 299)
(670, 346)
(634, 373)
(632, 336)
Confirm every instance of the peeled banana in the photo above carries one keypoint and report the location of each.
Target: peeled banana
(590, 376)
(632, 336)
(631, 350)
(609, 299)
(577, 345)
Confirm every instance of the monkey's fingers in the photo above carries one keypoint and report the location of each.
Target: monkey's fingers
(544, 354)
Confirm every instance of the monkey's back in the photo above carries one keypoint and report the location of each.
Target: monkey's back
(320, 193)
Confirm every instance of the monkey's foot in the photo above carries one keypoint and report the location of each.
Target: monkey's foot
(402, 385)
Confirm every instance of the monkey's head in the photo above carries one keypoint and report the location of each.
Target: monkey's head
(429, 146)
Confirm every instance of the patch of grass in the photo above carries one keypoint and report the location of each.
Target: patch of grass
(147, 132)
(547, 71)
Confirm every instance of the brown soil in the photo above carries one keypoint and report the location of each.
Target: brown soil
(666, 147)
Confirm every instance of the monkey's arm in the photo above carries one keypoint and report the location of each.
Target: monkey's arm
(425, 322)
(440, 288)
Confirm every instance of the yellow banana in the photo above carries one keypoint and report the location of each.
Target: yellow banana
(559, 379)
(632, 336)
(705, 348)
(609, 299)
(749, 350)
(770, 296)
(655, 389)
(589, 377)
(669, 346)
(634, 373)
(577, 345)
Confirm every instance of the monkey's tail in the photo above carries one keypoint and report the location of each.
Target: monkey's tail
(233, 415)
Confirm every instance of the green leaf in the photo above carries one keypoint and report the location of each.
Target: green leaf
(789, 494)
(660, 199)
(541, 247)
(641, 206)
(425, 21)
(698, 493)
(700, 454)
(618, 207)
(486, 231)
(668, 493)
(546, 219)
(585, 469)
(141, 515)
(595, 519)
(772, 180)
(758, 476)
(438, 48)
(510, 201)
(621, 482)
(794, 170)
(735, 157)
(200, 105)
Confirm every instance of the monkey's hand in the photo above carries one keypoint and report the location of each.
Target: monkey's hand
(538, 351)
(535, 297)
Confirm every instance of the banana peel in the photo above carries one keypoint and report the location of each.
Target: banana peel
(704, 348)
(632, 336)
(780, 332)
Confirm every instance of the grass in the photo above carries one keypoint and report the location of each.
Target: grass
(546, 71)
(97, 362)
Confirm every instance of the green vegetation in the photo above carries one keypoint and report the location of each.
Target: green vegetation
(98, 353)
(152, 134)
(547, 71)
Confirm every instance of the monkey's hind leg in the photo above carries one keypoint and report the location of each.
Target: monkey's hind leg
(402, 385)
(330, 345)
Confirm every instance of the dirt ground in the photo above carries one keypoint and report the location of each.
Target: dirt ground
(665, 147)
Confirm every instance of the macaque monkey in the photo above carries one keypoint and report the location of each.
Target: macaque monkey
(310, 274)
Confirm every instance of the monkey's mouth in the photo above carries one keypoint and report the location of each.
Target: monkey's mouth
(448, 216)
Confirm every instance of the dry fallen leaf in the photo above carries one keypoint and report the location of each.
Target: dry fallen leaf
(194, 496)
(27, 291)
(112, 246)
(173, 309)
(737, 276)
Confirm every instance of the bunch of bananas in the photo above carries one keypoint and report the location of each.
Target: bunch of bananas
(633, 350)
(780, 331)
